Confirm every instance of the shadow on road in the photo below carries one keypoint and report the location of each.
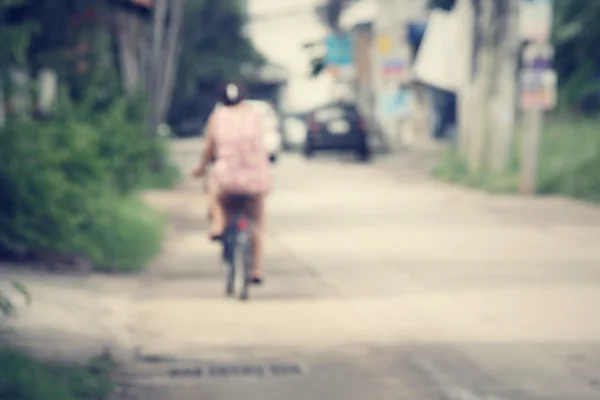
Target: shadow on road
(455, 371)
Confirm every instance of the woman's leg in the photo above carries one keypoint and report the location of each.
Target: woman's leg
(217, 209)
(258, 235)
(212, 198)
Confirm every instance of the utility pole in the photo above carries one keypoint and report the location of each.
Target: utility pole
(468, 30)
(391, 69)
(382, 46)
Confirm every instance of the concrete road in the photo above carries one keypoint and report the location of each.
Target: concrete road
(377, 287)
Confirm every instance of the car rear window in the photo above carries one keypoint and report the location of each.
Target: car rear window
(329, 114)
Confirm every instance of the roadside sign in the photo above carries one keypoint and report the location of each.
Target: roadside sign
(395, 68)
(535, 20)
(538, 55)
(538, 89)
(339, 50)
(384, 45)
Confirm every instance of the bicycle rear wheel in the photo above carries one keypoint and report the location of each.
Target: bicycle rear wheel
(245, 262)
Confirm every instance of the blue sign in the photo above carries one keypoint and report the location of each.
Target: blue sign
(339, 50)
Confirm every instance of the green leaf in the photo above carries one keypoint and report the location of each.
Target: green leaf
(22, 290)
(6, 306)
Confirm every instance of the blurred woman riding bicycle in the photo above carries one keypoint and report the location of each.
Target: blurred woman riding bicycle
(235, 146)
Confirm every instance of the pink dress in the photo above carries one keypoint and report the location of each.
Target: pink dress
(242, 165)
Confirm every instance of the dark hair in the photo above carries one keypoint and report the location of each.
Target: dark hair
(232, 93)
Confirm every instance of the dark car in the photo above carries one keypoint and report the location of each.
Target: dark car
(337, 127)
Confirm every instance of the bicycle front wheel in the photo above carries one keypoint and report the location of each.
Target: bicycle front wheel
(229, 250)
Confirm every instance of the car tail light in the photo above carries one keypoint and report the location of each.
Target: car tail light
(242, 225)
(362, 125)
(312, 124)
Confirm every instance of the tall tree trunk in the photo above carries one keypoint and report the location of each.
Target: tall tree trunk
(145, 53)
(468, 34)
(167, 23)
(128, 36)
(483, 87)
(159, 23)
(505, 97)
(171, 54)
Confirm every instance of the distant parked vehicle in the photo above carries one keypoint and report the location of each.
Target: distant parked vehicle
(294, 133)
(339, 127)
(190, 128)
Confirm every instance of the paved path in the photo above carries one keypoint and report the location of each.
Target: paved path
(380, 285)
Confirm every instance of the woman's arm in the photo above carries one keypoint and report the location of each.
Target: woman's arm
(208, 154)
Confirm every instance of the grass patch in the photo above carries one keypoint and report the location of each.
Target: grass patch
(24, 378)
(570, 159)
(569, 163)
(127, 237)
(452, 168)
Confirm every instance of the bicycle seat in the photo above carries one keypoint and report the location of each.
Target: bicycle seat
(236, 202)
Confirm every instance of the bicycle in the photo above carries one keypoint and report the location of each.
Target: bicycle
(238, 246)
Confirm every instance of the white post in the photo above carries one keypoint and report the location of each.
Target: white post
(504, 105)
(530, 151)
(48, 82)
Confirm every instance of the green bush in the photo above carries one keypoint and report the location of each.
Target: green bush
(125, 147)
(131, 158)
(25, 378)
(126, 236)
(569, 163)
(452, 168)
(67, 185)
(50, 178)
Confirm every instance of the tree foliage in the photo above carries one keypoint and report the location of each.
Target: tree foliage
(57, 175)
(14, 35)
(577, 59)
(64, 176)
(213, 48)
